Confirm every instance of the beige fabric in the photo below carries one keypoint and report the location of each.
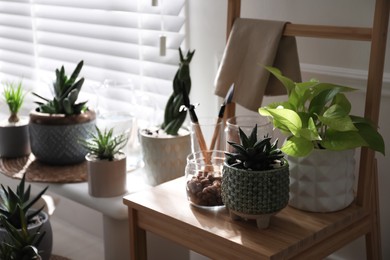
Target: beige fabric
(253, 44)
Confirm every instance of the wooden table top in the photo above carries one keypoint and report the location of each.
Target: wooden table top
(165, 211)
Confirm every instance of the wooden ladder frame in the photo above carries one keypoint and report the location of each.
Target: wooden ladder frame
(367, 191)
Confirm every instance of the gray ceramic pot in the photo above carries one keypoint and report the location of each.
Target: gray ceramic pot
(14, 139)
(55, 139)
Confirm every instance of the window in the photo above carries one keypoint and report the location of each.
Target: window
(116, 39)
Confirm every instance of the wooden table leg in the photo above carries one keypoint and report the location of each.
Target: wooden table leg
(137, 237)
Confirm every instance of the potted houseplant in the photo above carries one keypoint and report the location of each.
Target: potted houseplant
(17, 214)
(106, 163)
(166, 147)
(14, 135)
(57, 124)
(321, 139)
(255, 179)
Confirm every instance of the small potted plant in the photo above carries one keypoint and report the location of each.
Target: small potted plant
(106, 163)
(321, 141)
(14, 135)
(166, 147)
(58, 123)
(17, 213)
(255, 179)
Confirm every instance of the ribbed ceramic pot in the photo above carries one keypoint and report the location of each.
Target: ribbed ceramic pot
(14, 139)
(46, 245)
(255, 194)
(106, 178)
(323, 181)
(55, 138)
(165, 158)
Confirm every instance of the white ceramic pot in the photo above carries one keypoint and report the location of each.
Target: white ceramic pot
(106, 178)
(164, 157)
(323, 181)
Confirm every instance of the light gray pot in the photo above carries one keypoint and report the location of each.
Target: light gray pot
(46, 245)
(55, 139)
(165, 158)
(14, 139)
(106, 178)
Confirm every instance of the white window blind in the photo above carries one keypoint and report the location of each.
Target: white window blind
(116, 39)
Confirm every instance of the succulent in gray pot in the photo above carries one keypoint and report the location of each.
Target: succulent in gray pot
(106, 163)
(255, 179)
(58, 124)
(14, 134)
(23, 228)
(166, 147)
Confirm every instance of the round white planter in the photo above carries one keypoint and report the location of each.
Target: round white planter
(323, 181)
(164, 157)
(106, 178)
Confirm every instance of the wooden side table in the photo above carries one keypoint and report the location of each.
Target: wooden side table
(293, 234)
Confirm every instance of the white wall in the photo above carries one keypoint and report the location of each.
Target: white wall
(337, 61)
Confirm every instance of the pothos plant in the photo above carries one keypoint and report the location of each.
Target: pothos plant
(317, 116)
(174, 117)
(14, 97)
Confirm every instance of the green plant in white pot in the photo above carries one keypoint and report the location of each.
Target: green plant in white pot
(323, 135)
(255, 179)
(14, 135)
(58, 123)
(166, 147)
(106, 163)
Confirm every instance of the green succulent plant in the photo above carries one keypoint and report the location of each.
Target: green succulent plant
(174, 117)
(253, 154)
(317, 116)
(14, 97)
(21, 244)
(66, 92)
(104, 145)
(13, 203)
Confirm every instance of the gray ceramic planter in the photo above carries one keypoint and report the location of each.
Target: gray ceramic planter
(55, 139)
(14, 139)
(46, 245)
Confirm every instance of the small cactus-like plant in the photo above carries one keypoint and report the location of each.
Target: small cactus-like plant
(66, 92)
(253, 154)
(13, 204)
(104, 145)
(14, 97)
(20, 243)
(174, 117)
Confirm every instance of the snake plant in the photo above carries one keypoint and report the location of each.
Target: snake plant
(174, 117)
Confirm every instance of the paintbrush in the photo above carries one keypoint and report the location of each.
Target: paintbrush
(198, 131)
(228, 99)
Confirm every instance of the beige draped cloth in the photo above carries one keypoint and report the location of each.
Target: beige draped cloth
(253, 44)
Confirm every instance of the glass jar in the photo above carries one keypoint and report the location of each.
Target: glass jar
(203, 178)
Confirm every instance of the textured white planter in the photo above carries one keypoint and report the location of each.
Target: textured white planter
(164, 157)
(323, 181)
(106, 178)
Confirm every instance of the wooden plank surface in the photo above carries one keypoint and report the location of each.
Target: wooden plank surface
(164, 210)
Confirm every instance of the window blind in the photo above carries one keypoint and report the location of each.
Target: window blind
(116, 39)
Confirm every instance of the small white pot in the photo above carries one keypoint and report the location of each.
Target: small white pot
(164, 157)
(106, 178)
(323, 181)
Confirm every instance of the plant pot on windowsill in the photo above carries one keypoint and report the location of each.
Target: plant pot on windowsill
(106, 163)
(14, 139)
(14, 135)
(57, 125)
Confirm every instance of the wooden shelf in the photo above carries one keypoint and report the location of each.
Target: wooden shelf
(165, 211)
